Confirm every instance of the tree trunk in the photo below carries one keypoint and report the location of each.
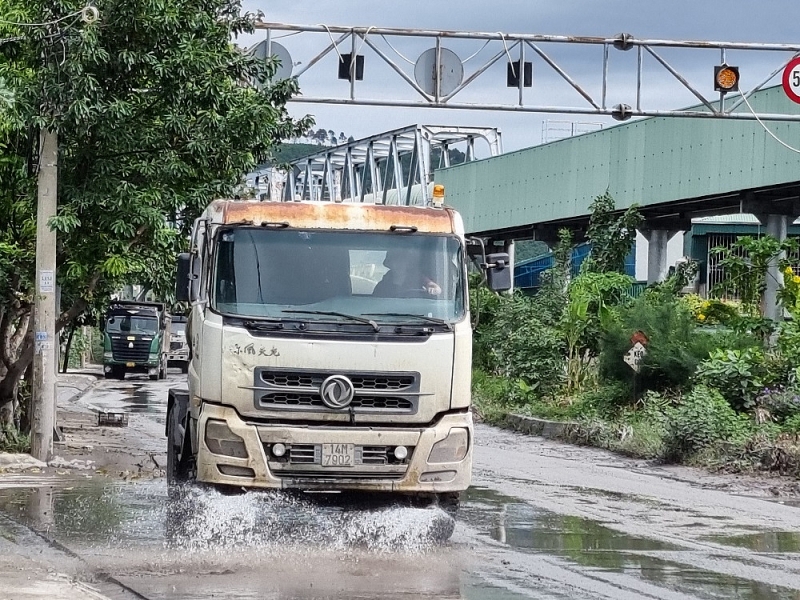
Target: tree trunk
(66, 351)
(25, 413)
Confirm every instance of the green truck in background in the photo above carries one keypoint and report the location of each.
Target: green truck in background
(136, 339)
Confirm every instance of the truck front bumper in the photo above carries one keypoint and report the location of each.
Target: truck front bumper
(439, 457)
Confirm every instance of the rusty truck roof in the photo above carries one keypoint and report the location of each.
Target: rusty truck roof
(333, 215)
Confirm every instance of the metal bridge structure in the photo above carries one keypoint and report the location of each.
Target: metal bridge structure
(395, 167)
(593, 70)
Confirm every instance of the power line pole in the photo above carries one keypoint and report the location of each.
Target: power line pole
(44, 311)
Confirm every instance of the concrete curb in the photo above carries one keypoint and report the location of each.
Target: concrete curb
(554, 430)
(72, 388)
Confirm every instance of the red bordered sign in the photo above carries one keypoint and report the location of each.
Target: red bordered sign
(791, 80)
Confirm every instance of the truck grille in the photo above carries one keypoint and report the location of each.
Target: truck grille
(360, 382)
(294, 389)
(305, 460)
(306, 400)
(175, 345)
(123, 351)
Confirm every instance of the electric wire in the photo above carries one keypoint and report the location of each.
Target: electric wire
(760, 122)
(470, 57)
(508, 54)
(396, 51)
(335, 47)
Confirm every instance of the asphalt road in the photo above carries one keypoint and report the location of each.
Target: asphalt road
(543, 520)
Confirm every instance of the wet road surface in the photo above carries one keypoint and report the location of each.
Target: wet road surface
(543, 520)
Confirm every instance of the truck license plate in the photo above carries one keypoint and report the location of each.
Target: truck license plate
(130, 364)
(338, 455)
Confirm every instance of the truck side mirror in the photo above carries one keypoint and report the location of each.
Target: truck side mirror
(475, 248)
(498, 272)
(182, 279)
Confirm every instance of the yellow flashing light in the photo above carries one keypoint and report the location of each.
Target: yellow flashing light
(726, 79)
(438, 194)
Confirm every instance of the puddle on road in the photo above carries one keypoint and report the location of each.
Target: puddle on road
(258, 545)
(134, 397)
(765, 541)
(98, 513)
(591, 544)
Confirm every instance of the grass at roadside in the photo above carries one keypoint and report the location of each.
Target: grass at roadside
(697, 429)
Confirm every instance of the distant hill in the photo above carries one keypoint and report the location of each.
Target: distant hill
(286, 153)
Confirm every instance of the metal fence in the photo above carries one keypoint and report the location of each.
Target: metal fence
(716, 275)
(527, 273)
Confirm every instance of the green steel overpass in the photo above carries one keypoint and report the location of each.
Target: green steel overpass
(674, 169)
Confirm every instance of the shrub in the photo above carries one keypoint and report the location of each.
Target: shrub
(675, 347)
(605, 400)
(792, 424)
(780, 403)
(13, 441)
(520, 346)
(703, 419)
(491, 396)
(739, 374)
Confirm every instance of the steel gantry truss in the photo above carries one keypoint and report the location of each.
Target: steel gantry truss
(516, 50)
(389, 168)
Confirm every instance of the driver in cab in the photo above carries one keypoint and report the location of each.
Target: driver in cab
(403, 280)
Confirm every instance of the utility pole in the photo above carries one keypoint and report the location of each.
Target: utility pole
(44, 311)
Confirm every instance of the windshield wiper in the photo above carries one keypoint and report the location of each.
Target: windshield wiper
(420, 317)
(331, 313)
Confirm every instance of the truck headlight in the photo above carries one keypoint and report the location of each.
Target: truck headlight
(108, 355)
(453, 448)
(221, 440)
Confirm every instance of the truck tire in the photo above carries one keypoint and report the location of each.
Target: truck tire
(179, 463)
(449, 502)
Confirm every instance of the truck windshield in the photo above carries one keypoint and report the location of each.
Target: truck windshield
(132, 325)
(262, 273)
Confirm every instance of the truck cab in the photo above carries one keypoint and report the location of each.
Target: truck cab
(330, 350)
(178, 345)
(135, 339)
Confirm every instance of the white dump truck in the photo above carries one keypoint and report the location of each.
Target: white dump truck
(330, 349)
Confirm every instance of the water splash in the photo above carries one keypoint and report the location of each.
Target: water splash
(203, 519)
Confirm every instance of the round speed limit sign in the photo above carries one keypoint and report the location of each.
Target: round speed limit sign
(791, 80)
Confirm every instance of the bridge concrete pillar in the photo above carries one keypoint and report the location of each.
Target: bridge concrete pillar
(657, 241)
(777, 226)
(510, 249)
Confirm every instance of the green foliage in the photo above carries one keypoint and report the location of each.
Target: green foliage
(153, 123)
(552, 294)
(779, 403)
(739, 374)
(518, 344)
(610, 234)
(13, 441)
(591, 298)
(792, 424)
(491, 396)
(525, 249)
(671, 287)
(745, 265)
(674, 347)
(154, 120)
(703, 418)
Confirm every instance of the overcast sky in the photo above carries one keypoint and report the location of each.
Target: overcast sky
(732, 20)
